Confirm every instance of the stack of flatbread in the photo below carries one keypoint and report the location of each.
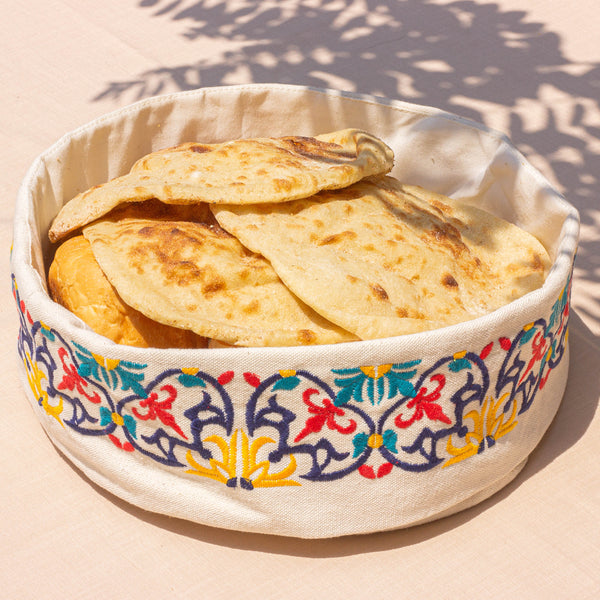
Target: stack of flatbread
(280, 242)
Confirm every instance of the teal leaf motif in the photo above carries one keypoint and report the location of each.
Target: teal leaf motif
(343, 396)
(359, 442)
(371, 382)
(130, 424)
(400, 386)
(458, 364)
(105, 416)
(130, 381)
(123, 372)
(351, 388)
(85, 369)
(527, 336)
(190, 381)
(47, 333)
(559, 306)
(287, 383)
(390, 440)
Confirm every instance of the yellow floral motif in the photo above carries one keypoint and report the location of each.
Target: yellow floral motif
(264, 478)
(222, 470)
(459, 355)
(117, 419)
(287, 372)
(189, 370)
(108, 363)
(375, 441)
(226, 469)
(34, 377)
(375, 372)
(488, 426)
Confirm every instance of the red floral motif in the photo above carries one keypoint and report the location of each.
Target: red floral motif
(323, 415)
(73, 380)
(544, 379)
(539, 347)
(160, 410)
(117, 442)
(486, 351)
(369, 472)
(252, 379)
(25, 312)
(425, 405)
(225, 378)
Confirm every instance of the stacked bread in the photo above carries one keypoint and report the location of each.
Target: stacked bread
(280, 242)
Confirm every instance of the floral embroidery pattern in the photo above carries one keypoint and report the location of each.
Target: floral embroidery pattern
(293, 427)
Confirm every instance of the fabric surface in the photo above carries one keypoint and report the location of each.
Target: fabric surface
(538, 536)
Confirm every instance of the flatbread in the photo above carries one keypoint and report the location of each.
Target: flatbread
(76, 282)
(239, 172)
(381, 259)
(197, 277)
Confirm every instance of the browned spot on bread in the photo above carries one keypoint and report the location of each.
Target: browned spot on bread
(441, 206)
(449, 281)
(537, 263)
(171, 247)
(200, 148)
(448, 237)
(338, 237)
(251, 308)
(282, 184)
(402, 312)
(216, 285)
(379, 292)
(306, 336)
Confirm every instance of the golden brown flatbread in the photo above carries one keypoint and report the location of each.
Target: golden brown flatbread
(238, 172)
(379, 258)
(194, 276)
(76, 282)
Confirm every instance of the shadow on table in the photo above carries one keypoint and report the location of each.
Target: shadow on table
(574, 416)
(470, 58)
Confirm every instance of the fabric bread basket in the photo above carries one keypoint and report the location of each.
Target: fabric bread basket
(315, 441)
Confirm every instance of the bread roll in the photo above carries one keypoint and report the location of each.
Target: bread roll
(76, 281)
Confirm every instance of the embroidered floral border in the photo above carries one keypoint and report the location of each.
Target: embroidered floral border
(294, 427)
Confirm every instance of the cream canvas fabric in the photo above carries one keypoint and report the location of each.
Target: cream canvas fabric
(308, 442)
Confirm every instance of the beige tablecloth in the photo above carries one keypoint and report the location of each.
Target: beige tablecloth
(533, 73)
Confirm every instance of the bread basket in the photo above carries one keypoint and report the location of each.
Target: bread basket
(316, 441)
